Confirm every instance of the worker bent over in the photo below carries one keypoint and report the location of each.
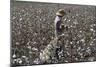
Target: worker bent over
(53, 48)
(58, 20)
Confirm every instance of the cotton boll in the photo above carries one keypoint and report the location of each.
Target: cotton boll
(19, 60)
(14, 56)
(91, 29)
(34, 49)
(17, 43)
(29, 47)
(37, 61)
(91, 59)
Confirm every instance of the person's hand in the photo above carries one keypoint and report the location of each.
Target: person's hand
(62, 27)
(66, 28)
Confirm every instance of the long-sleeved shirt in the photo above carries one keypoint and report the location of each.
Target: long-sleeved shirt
(57, 25)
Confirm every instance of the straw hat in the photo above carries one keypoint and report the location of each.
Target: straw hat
(60, 12)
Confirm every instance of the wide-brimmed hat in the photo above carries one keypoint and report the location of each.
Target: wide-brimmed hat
(60, 12)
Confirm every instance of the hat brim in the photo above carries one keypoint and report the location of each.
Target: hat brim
(59, 14)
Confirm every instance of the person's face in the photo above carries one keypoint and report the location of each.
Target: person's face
(60, 16)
